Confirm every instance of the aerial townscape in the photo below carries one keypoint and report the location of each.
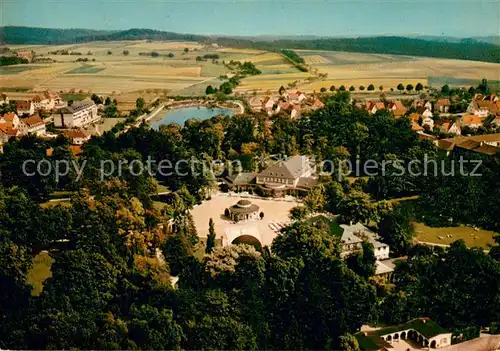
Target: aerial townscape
(292, 186)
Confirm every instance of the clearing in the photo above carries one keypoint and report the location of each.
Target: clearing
(447, 235)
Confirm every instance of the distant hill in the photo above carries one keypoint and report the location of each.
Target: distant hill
(33, 35)
(477, 49)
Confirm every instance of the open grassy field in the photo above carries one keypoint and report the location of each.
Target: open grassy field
(445, 236)
(39, 272)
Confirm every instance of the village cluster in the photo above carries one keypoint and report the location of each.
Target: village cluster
(70, 120)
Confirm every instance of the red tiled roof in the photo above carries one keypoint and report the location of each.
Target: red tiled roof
(23, 105)
(472, 119)
(76, 133)
(443, 102)
(8, 129)
(76, 149)
(9, 117)
(33, 121)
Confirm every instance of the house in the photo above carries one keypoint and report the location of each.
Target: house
(442, 106)
(424, 111)
(270, 105)
(422, 331)
(397, 108)
(415, 118)
(7, 132)
(10, 118)
(46, 101)
(317, 104)
(422, 103)
(483, 106)
(373, 107)
(80, 114)
(4, 99)
(448, 127)
(354, 235)
(472, 121)
(487, 144)
(77, 136)
(25, 54)
(294, 172)
(32, 125)
(290, 109)
(25, 108)
(295, 97)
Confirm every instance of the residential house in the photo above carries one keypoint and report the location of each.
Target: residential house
(422, 103)
(46, 101)
(10, 118)
(488, 144)
(294, 97)
(373, 107)
(25, 54)
(7, 131)
(32, 125)
(270, 105)
(77, 136)
(426, 121)
(397, 108)
(317, 104)
(483, 106)
(472, 121)
(4, 99)
(80, 114)
(290, 109)
(354, 235)
(442, 106)
(25, 108)
(424, 111)
(448, 127)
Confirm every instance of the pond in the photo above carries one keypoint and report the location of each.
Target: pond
(181, 115)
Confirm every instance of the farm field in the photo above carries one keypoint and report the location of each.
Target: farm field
(176, 72)
(389, 70)
(108, 70)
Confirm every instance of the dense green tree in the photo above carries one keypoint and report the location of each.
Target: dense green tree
(211, 237)
(349, 343)
(401, 87)
(419, 87)
(445, 89)
(371, 87)
(409, 87)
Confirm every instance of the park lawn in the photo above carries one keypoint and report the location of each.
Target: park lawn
(39, 272)
(481, 238)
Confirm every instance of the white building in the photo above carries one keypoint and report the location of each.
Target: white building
(32, 125)
(46, 101)
(80, 114)
(77, 137)
(354, 235)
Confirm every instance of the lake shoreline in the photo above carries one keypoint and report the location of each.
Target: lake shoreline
(189, 104)
(180, 114)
